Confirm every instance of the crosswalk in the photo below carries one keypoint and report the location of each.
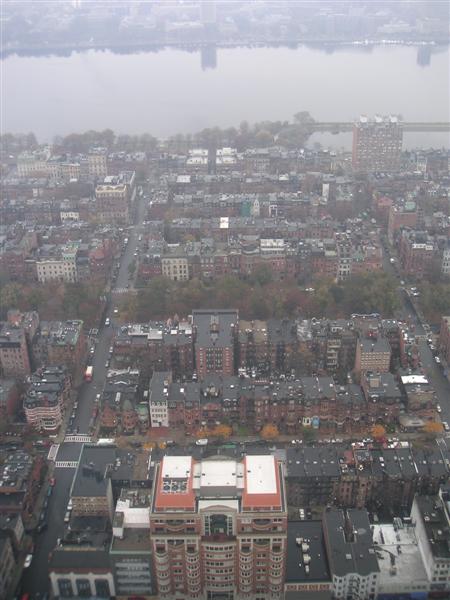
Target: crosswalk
(78, 438)
(66, 464)
(124, 290)
(53, 452)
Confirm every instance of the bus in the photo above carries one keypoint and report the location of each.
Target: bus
(89, 373)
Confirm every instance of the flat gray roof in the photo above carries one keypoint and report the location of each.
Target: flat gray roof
(311, 533)
(349, 542)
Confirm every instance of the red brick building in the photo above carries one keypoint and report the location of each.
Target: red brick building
(416, 252)
(215, 335)
(444, 338)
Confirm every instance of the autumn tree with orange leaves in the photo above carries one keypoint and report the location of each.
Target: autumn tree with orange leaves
(433, 428)
(378, 432)
(269, 431)
(221, 431)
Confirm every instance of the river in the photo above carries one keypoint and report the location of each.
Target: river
(173, 91)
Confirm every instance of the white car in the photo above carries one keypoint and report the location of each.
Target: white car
(437, 359)
(438, 408)
(445, 426)
(28, 559)
(202, 442)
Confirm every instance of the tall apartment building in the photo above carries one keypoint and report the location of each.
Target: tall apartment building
(431, 516)
(158, 400)
(175, 267)
(373, 355)
(14, 353)
(215, 335)
(218, 528)
(416, 253)
(7, 564)
(445, 265)
(62, 266)
(113, 198)
(351, 554)
(444, 338)
(377, 144)
(45, 399)
(97, 163)
(91, 492)
(60, 343)
(32, 163)
(400, 216)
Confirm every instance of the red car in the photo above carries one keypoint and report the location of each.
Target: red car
(52, 481)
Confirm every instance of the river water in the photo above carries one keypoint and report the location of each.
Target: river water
(172, 90)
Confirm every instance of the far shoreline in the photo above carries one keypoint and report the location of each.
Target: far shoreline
(129, 47)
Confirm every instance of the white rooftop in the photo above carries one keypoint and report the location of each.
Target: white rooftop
(183, 179)
(414, 379)
(261, 475)
(176, 467)
(218, 473)
(133, 517)
(401, 566)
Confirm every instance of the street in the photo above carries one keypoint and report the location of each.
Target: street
(434, 372)
(35, 579)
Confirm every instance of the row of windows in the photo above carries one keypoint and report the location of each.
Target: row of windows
(83, 588)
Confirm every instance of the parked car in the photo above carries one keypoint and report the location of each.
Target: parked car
(42, 527)
(28, 559)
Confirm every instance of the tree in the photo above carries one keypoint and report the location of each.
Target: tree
(303, 117)
(263, 139)
(201, 433)
(433, 428)
(152, 301)
(308, 434)
(262, 274)
(222, 431)
(259, 306)
(230, 291)
(378, 432)
(10, 296)
(269, 431)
